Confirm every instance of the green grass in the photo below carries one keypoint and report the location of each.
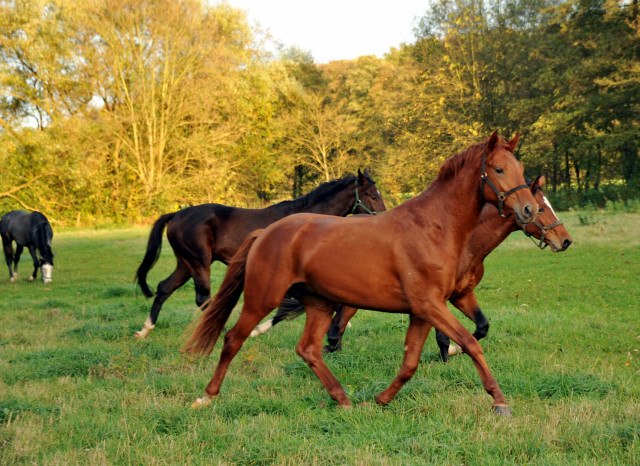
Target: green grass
(76, 387)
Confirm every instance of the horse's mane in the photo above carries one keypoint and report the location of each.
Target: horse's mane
(319, 194)
(452, 165)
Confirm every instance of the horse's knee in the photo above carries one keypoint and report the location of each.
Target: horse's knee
(201, 299)
(482, 326)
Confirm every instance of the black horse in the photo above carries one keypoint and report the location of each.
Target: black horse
(205, 233)
(33, 231)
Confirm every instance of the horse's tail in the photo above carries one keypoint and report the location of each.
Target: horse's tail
(154, 246)
(216, 312)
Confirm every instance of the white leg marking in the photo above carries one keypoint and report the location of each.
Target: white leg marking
(262, 328)
(31, 278)
(14, 277)
(201, 402)
(454, 349)
(146, 329)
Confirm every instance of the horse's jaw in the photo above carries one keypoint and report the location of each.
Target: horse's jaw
(46, 269)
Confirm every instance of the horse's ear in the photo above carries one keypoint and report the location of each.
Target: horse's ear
(537, 183)
(514, 142)
(361, 177)
(493, 140)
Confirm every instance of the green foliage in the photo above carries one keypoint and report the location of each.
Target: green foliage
(113, 114)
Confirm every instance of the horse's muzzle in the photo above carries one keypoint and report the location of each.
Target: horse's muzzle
(47, 270)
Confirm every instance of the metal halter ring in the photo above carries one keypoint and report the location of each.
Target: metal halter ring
(360, 204)
(500, 194)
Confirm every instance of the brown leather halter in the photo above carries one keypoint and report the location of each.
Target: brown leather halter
(501, 195)
(544, 231)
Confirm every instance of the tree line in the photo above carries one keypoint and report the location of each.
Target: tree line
(118, 110)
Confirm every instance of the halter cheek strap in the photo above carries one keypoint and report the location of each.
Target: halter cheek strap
(501, 195)
(361, 204)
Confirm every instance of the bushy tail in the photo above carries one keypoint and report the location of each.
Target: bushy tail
(290, 308)
(209, 325)
(154, 246)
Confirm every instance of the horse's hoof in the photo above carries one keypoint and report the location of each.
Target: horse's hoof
(140, 335)
(46, 280)
(454, 349)
(31, 279)
(502, 410)
(13, 279)
(201, 403)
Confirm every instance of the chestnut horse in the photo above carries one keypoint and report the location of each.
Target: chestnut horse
(491, 230)
(404, 260)
(205, 233)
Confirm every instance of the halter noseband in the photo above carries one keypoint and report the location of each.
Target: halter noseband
(544, 231)
(360, 204)
(501, 195)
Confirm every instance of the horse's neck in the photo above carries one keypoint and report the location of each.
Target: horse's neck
(449, 210)
(491, 230)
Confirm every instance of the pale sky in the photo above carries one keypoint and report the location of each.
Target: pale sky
(336, 29)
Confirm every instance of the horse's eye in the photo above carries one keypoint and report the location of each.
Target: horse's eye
(540, 210)
(499, 170)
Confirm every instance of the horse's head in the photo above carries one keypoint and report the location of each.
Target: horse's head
(503, 180)
(46, 262)
(368, 198)
(546, 227)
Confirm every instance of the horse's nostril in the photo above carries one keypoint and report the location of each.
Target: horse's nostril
(566, 243)
(527, 211)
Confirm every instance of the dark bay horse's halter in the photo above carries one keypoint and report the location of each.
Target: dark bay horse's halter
(360, 204)
(544, 231)
(501, 195)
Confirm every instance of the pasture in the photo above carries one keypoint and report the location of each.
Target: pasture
(564, 344)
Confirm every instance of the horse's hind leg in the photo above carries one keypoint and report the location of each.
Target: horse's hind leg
(36, 262)
(319, 312)
(233, 341)
(468, 305)
(416, 335)
(165, 289)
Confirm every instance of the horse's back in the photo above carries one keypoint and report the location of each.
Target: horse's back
(215, 228)
(14, 225)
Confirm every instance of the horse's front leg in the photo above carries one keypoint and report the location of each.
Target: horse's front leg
(468, 305)
(441, 317)
(8, 256)
(338, 326)
(36, 262)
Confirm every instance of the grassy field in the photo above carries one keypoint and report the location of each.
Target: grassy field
(76, 387)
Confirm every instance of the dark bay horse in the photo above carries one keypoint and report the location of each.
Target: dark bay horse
(404, 260)
(491, 230)
(30, 230)
(205, 233)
